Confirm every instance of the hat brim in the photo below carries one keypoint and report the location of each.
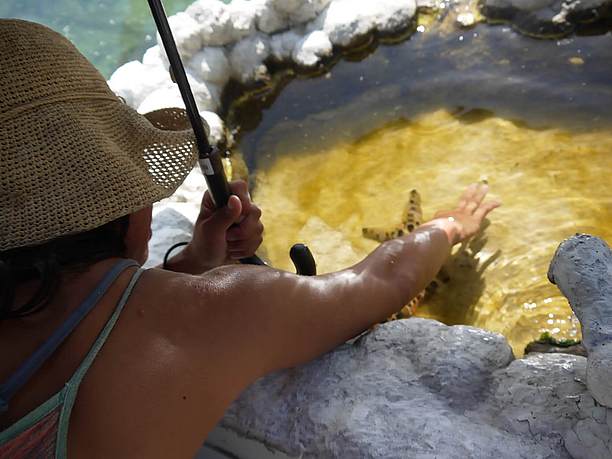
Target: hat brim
(70, 167)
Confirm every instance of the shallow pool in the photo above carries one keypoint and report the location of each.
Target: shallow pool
(438, 111)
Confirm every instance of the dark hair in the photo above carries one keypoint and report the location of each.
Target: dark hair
(47, 262)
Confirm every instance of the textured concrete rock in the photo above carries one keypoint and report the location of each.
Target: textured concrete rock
(582, 269)
(544, 396)
(421, 387)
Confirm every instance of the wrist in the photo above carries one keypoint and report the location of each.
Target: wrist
(450, 226)
(186, 261)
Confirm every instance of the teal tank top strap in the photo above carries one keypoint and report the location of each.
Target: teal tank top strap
(32, 364)
(72, 386)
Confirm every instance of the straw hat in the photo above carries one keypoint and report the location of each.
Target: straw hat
(73, 156)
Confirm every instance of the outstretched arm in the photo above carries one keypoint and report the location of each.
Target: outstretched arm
(275, 319)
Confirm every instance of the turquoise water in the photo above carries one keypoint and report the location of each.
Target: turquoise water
(109, 32)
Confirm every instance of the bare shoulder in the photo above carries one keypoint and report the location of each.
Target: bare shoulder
(170, 365)
(183, 299)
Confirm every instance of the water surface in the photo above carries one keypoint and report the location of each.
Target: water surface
(109, 32)
(443, 109)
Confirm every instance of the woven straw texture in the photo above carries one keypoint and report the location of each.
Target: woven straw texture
(73, 156)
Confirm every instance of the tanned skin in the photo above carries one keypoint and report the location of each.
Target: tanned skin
(191, 338)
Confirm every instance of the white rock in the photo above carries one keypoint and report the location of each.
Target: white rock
(216, 127)
(417, 388)
(247, 58)
(187, 34)
(392, 15)
(169, 227)
(314, 46)
(243, 18)
(345, 21)
(214, 21)
(207, 96)
(283, 44)
(304, 11)
(135, 81)
(285, 6)
(165, 97)
(297, 11)
(154, 57)
(211, 64)
(190, 194)
(582, 269)
(269, 20)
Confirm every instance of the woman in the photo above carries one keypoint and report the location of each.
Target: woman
(103, 359)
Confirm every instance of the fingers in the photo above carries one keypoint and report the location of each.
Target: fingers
(238, 188)
(221, 220)
(248, 227)
(467, 195)
(244, 239)
(473, 197)
(208, 206)
(244, 249)
(484, 209)
(477, 198)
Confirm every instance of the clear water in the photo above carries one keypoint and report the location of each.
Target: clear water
(109, 32)
(445, 108)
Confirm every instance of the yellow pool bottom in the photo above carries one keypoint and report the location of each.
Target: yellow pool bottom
(552, 184)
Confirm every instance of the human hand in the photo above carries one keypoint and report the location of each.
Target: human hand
(463, 222)
(222, 236)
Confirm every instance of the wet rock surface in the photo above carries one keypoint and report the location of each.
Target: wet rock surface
(436, 391)
(548, 348)
(550, 18)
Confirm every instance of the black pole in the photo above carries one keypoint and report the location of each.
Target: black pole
(209, 157)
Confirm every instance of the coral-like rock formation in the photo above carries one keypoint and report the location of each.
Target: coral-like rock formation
(421, 387)
(582, 268)
(218, 41)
